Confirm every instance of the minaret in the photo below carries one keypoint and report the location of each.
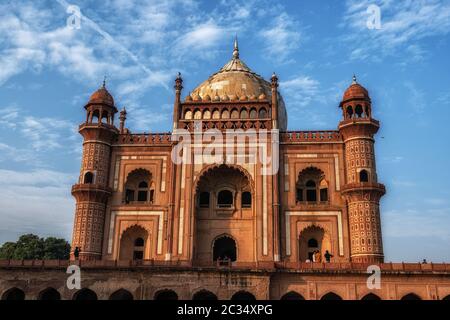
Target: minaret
(92, 190)
(362, 190)
(177, 105)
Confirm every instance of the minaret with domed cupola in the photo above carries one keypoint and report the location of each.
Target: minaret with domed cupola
(92, 190)
(362, 190)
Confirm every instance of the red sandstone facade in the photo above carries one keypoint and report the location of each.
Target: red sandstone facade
(325, 195)
(136, 208)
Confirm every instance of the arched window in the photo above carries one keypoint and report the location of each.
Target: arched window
(88, 178)
(243, 296)
(311, 192)
(138, 253)
(246, 199)
(323, 191)
(225, 199)
(204, 200)
(188, 115)
(292, 295)
(225, 114)
(207, 114)
(311, 186)
(331, 296)
(137, 187)
(312, 243)
(49, 294)
(143, 191)
(85, 295)
(367, 112)
(349, 112)
(253, 114)
(359, 111)
(216, 114)
(133, 243)
(165, 294)
(234, 114)
(204, 295)
(244, 114)
(363, 176)
(13, 294)
(121, 294)
(262, 113)
(105, 118)
(96, 116)
(197, 115)
(139, 242)
(224, 249)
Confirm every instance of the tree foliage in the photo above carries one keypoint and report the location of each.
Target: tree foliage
(30, 246)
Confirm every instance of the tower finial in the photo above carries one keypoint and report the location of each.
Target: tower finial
(236, 48)
(104, 82)
(354, 79)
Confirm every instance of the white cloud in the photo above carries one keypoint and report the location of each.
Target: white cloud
(26, 201)
(403, 25)
(282, 37)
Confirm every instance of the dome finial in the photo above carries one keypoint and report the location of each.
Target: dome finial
(236, 48)
(104, 82)
(354, 79)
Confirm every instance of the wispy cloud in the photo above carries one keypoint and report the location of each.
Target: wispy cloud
(281, 38)
(403, 25)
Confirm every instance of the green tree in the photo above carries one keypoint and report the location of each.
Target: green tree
(55, 248)
(30, 246)
(7, 250)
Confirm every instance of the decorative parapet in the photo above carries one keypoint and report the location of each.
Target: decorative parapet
(144, 138)
(303, 267)
(310, 136)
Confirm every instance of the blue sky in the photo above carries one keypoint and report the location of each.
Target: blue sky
(48, 70)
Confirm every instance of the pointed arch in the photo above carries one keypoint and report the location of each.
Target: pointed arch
(165, 294)
(204, 295)
(224, 248)
(243, 295)
(134, 242)
(13, 294)
(85, 294)
(411, 296)
(49, 294)
(121, 294)
(292, 295)
(331, 296)
(371, 296)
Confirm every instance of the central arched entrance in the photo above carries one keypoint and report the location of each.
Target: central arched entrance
(224, 249)
(224, 213)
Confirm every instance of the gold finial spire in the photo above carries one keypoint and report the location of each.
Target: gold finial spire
(236, 48)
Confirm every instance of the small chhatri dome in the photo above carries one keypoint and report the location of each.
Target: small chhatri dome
(102, 96)
(355, 91)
